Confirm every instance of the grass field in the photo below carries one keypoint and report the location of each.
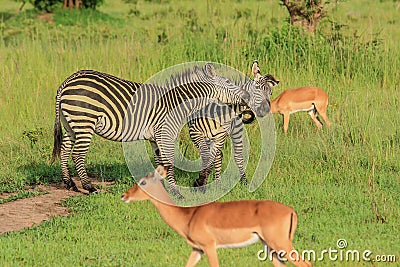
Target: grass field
(344, 182)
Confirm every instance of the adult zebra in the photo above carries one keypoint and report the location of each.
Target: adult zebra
(209, 131)
(91, 102)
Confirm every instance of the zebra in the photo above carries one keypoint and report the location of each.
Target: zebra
(209, 132)
(91, 102)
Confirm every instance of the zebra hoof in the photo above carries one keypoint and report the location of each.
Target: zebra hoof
(202, 189)
(198, 183)
(71, 186)
(92, 191)
(177, 194)
(199, 188)
(244, 181)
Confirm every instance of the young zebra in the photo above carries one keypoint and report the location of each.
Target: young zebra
(209, 132)
(91, 102)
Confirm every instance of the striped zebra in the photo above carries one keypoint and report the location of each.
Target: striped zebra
(91, 102)
(209, 131)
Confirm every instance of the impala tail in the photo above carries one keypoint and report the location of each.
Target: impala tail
(293, 225)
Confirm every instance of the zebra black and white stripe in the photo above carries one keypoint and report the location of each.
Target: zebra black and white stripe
(91, 102)
(209, 132)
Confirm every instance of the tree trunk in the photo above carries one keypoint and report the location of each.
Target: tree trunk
(306, 16)
(72, 4)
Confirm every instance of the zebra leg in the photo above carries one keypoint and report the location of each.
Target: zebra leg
(166, 149)
(78, 156)
(205, 154)
(216, 153)
(200, 142)
(156, 152)
(171, 180)
(66, 146)
(237, 143)
(218, 165)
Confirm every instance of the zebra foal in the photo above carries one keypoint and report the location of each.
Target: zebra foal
(209, 132)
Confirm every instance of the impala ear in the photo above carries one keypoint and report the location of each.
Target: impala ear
(210, 70)
(161, 171)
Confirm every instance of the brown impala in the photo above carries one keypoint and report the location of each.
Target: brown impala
(221, 224)
(311, 99)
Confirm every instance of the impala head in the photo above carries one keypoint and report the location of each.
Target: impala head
(149, 187)
(260, 91)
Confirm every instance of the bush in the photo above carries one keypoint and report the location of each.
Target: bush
(51, 5)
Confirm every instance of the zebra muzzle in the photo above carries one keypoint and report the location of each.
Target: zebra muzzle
(263, 109)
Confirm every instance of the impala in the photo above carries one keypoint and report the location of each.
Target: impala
(311, 99)
(221, 224)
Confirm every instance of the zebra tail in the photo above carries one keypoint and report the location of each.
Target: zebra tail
(57, 129)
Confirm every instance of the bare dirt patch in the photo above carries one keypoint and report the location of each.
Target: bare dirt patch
(28, 212)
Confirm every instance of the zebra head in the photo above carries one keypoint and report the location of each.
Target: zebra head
(260, 90)
(260, 93)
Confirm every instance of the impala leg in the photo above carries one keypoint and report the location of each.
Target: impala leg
(287, 247)
(194, 257)
(322, 112)
(292, 256)
(66, 147)
(286, 117)
(321, 109)
(323, 115)
(314, 116)
(212, 256)
(276, 262)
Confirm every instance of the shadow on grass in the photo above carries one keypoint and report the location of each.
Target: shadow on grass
(44, 173)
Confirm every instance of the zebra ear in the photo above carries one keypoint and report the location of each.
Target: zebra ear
(256, 71)
(210, 70)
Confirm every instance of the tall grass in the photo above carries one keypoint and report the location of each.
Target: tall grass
(343, 181)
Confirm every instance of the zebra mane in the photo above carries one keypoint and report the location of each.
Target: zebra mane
(196, 73)
(267, 78)
(188, 74)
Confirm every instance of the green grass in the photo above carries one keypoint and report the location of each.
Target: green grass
(342, 181)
